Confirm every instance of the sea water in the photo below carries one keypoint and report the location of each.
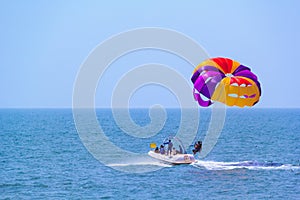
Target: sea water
(257, 156)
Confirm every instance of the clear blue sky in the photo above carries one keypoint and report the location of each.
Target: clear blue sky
(43, 44)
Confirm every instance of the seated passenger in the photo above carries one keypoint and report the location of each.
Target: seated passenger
(162, 149)
(156, 150)
(174, 151)
(180, 149)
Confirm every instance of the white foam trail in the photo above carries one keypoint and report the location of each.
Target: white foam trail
(251, 165)
(139, 164)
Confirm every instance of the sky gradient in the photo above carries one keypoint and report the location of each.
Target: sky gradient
(44, 43)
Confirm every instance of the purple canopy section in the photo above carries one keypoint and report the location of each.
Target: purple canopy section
(206, 83)
(205, 80)
(202, 69)
(241, 68)
(201, 102)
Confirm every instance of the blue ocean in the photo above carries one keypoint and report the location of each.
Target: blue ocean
(257, 156)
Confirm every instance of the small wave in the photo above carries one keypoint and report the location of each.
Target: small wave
(251, 165)
(11, 185)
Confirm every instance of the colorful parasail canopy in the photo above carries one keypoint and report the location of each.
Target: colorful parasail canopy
(227, 81)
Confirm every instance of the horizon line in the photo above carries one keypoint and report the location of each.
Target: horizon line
(227, 107)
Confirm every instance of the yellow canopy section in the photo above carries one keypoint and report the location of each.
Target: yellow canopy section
(236, 95)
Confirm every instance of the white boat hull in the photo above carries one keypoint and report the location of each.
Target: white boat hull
(173, 159)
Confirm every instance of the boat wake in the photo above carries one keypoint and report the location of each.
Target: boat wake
(142, 164)
(251, 165)
(160, 164)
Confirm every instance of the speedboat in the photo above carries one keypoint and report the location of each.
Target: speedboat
(177, 156)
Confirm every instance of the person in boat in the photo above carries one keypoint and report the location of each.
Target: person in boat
(170, 146)
(156, 150)
(197, 147)
(162, 149)
(180, 149)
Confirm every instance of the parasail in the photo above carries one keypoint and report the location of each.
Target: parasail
(227, 81)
